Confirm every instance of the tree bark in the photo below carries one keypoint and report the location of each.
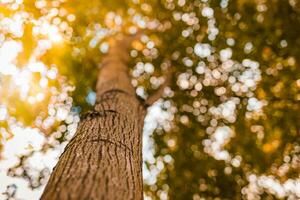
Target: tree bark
(104, 159)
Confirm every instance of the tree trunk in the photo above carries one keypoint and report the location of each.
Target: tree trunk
(104, 159)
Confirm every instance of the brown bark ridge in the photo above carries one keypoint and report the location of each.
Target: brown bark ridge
(104, 159)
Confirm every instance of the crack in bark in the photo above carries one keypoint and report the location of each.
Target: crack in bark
(94, 114)
(117, 144)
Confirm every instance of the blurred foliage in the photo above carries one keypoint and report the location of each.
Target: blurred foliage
(233, 124)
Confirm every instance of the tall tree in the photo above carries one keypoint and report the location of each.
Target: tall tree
(104, 159)
(228, 125)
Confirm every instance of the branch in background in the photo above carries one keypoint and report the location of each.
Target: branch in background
(159, 92)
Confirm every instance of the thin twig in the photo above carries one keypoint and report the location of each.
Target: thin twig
(159, 92)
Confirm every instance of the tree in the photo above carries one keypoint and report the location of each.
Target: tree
(104, 158)
(228, 121)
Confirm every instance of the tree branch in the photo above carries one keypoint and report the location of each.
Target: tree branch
(159, 92)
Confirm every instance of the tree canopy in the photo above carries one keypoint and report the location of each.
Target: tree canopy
(228, 124)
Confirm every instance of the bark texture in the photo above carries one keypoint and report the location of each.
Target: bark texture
(104, 159)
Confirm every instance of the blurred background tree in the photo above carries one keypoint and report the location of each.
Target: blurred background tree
(228, 125)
